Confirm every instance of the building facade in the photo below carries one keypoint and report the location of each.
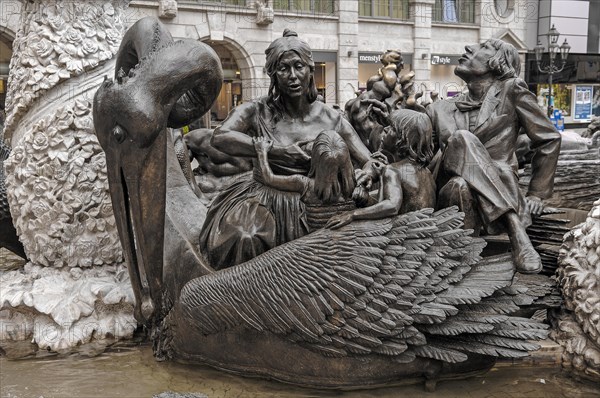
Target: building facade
(347, 37)
(576, 90)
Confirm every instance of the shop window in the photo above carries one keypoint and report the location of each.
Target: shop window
(397, 9)
(454, 11)
(316, 6)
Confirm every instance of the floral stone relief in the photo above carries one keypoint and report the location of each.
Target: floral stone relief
(74, 294)
(58, 41)
(577, 327)
(59, 197)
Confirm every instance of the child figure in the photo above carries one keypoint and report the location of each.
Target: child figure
(327, 190)
(405, 185)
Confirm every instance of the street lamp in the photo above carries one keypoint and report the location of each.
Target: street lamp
(551, 68)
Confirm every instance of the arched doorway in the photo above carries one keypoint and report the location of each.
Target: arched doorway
(231, 92)
(5, 56)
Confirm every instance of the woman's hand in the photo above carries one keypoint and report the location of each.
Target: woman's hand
(291, 154)
(340, 220)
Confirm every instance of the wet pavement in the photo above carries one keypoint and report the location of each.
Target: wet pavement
(133, 372)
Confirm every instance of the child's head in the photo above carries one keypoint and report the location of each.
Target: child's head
(331, 167)
(413, 133)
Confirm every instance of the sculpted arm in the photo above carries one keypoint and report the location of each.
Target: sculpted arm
(545, 140)
(358, 150)
(231, 137)
(388, 207)
(293, 183)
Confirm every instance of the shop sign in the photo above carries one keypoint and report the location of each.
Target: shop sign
(373, 58)
(583, 103)
(368, 58)
(437, 59)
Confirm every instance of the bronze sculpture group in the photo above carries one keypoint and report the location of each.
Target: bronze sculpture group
(297, 271)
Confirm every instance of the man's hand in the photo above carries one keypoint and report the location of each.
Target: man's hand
(534, 205)
(340, 220)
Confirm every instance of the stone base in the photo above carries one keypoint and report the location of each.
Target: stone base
(580, 356)
(64, 310)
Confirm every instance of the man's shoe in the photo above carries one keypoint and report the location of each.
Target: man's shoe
(527, 260)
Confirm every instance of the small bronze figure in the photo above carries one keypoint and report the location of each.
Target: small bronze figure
(406, 184)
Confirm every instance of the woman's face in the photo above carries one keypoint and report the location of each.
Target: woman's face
(293, 75)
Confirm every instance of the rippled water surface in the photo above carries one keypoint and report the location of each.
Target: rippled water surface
(133, 372)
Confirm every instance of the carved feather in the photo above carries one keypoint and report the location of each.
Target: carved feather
(413, 285)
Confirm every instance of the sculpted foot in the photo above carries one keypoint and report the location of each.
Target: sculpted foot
(527, 260)
(525, 257)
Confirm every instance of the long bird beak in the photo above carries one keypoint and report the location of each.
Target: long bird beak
(138, 194)
(131, 119)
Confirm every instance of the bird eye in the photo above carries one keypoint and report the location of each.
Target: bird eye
(119, 134)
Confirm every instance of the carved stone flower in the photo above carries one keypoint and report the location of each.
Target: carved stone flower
(40, 186)
(44, 48)
(89, 47)
(106, 209)
(108, 9)
(56, 22)
(98, 162)
(73, 36)
(108, 254)
(39, 208)
(85, 248)
(40, 142)
(18, 154)
(113, 37)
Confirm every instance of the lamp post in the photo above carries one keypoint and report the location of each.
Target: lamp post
(551, 68)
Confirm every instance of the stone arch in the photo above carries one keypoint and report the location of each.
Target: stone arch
(244, 63)
(7, 34)
(7, 37)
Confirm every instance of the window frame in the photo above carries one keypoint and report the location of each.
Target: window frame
(438, 10)
(311, 7)
(404, 6)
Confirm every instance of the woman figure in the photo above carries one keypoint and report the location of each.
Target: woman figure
(327, 190)
(249, 218)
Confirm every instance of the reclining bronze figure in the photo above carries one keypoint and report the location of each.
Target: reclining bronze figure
(402, 299)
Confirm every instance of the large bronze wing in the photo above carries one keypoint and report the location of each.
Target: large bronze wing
(413, 285)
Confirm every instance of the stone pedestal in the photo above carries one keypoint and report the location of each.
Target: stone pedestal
(75, 290)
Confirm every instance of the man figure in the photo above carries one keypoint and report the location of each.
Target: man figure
(477, 133)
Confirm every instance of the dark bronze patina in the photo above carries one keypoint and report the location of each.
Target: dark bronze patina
(477, 134)
(400, 299)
